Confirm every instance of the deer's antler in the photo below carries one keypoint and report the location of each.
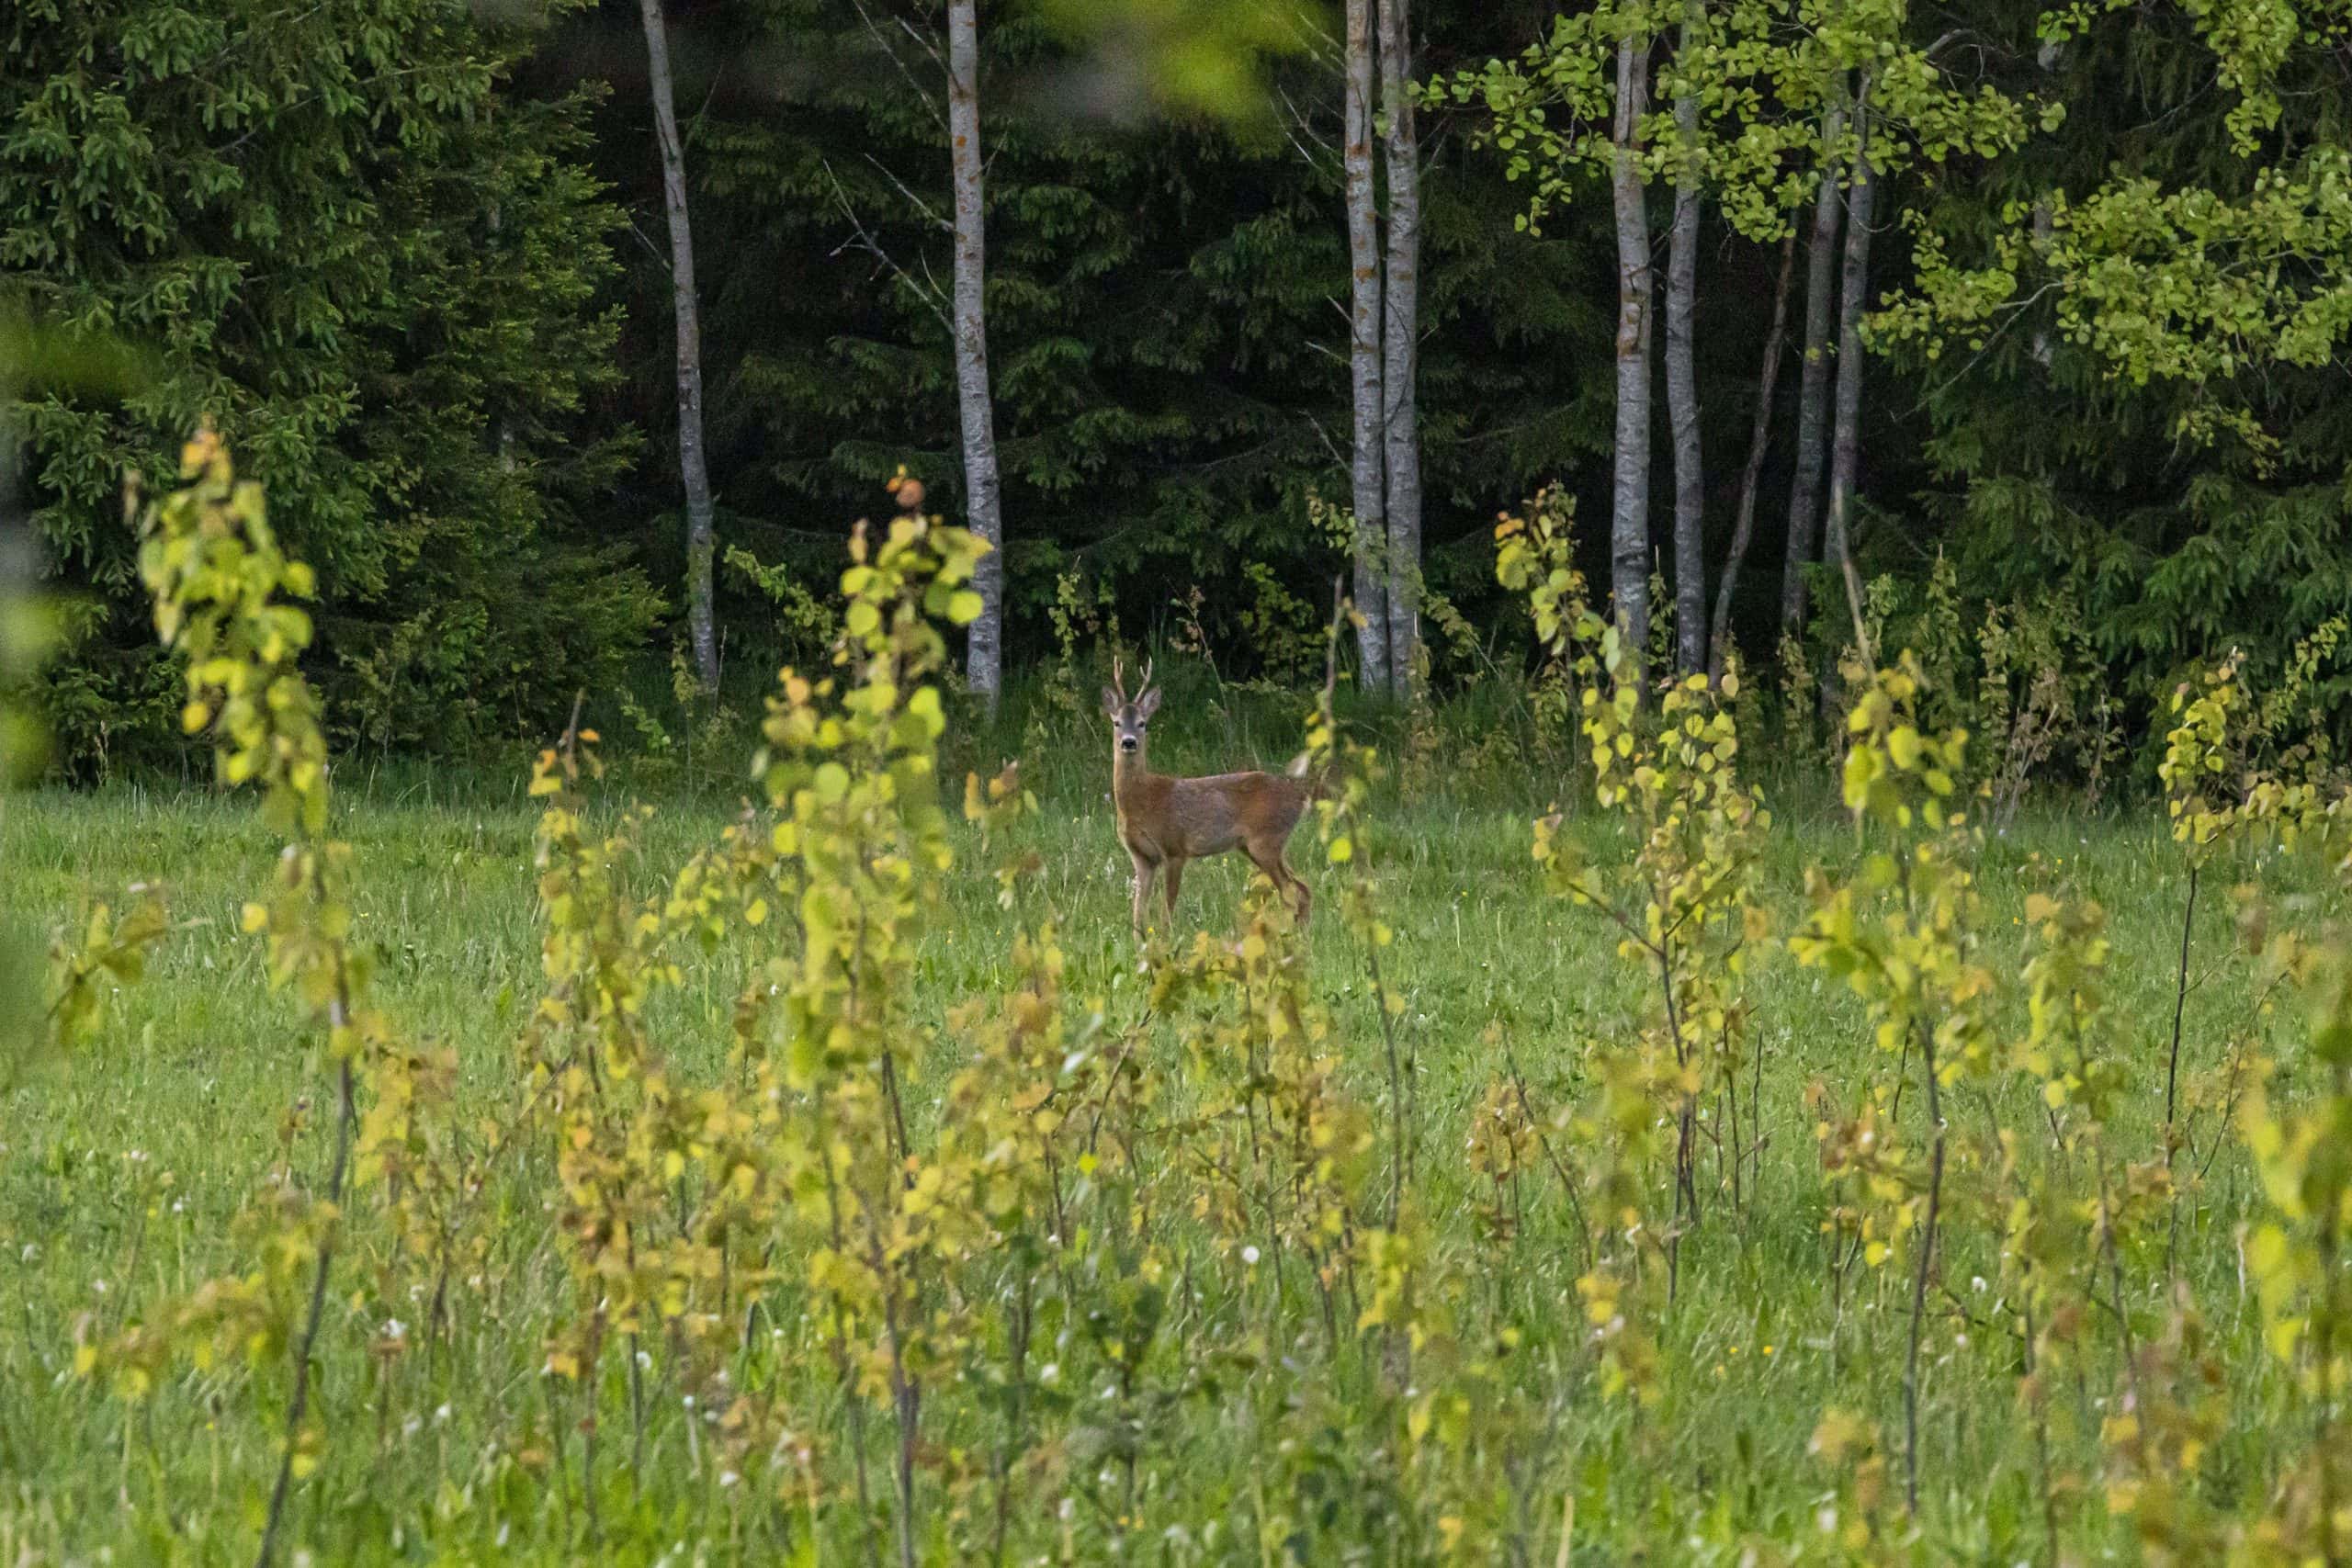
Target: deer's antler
(1146, 677)
(1119, 677)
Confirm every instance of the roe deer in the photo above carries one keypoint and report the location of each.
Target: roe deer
(1164, 822)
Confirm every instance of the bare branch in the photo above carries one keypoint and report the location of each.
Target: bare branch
(882, 41)
(863, 239)
(931, 214)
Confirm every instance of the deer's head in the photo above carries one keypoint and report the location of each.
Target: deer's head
(1129, 716)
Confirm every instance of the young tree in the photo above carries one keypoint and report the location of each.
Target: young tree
(686, 308)
(1906, 107)
(1682, 365)
(1813, 386)
(1759, 440)
(983, 492)
(1400, 346)
(1628, 512)
(1845, 439)
(1369, 470)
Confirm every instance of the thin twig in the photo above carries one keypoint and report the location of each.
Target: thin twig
(2172, 1069)
(914, 84)
(935, 299)
(299, 1404)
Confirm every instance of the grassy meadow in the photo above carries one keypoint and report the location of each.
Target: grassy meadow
(1253, 1420)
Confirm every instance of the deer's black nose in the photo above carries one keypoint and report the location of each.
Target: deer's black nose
(1127, 742)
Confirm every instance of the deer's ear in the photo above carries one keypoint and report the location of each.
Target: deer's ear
(1148, 703)
(1111, 703)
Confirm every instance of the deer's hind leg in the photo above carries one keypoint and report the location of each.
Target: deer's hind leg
(1175, 867)
(1268, 858)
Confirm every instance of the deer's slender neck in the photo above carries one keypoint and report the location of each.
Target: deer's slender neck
(1128, 769)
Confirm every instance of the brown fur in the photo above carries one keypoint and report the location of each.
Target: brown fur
(1166, 822)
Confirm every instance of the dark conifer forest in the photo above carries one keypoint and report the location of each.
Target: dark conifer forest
(415, 259)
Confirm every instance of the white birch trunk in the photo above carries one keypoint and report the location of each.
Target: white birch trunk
(1682, 387)
(1369, 470)
(1813, 394)
(1629, 529)
(1400, 364)
(686, 302)
(1846, 439)
(983, 492)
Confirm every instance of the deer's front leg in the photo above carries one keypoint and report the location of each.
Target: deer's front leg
(1144, 870)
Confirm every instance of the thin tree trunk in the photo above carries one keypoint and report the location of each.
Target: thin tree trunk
(1400, 418)
(1759, 440)
(2045, 59)
(1682, 383)
(983, 494)
(1364, 358)
(687, 305)
(19, 573)
(299, 1403)
(1629, 524)
(1846, 439)
(503, 429)
(1813, 401)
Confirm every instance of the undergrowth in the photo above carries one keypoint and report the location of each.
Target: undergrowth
(1641, 1171)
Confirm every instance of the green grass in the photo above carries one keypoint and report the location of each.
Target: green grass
(122, 1170)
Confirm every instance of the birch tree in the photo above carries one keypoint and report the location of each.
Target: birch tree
(1845, 439)
(1566, 72)
(686, 309)
(1759, 440)
(1400, 348)
(1813, 386)
(1370, 467)
(983, 492)
(1757, 124)
(1628, 512)
(1681, 366)
(1904, 108)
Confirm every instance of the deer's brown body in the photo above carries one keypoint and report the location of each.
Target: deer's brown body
(1164, 822)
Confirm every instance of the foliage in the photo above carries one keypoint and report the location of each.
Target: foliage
(1761, 72)
(1134, 1228)
(2297, 1252)
(2170, 293)
(1199, 57)
(1901, 935)
(1683, 911)
(220, 582)
(344, 236)
(2109, 268)
(1535, 558)
(846, 1186)
(2022, 678)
